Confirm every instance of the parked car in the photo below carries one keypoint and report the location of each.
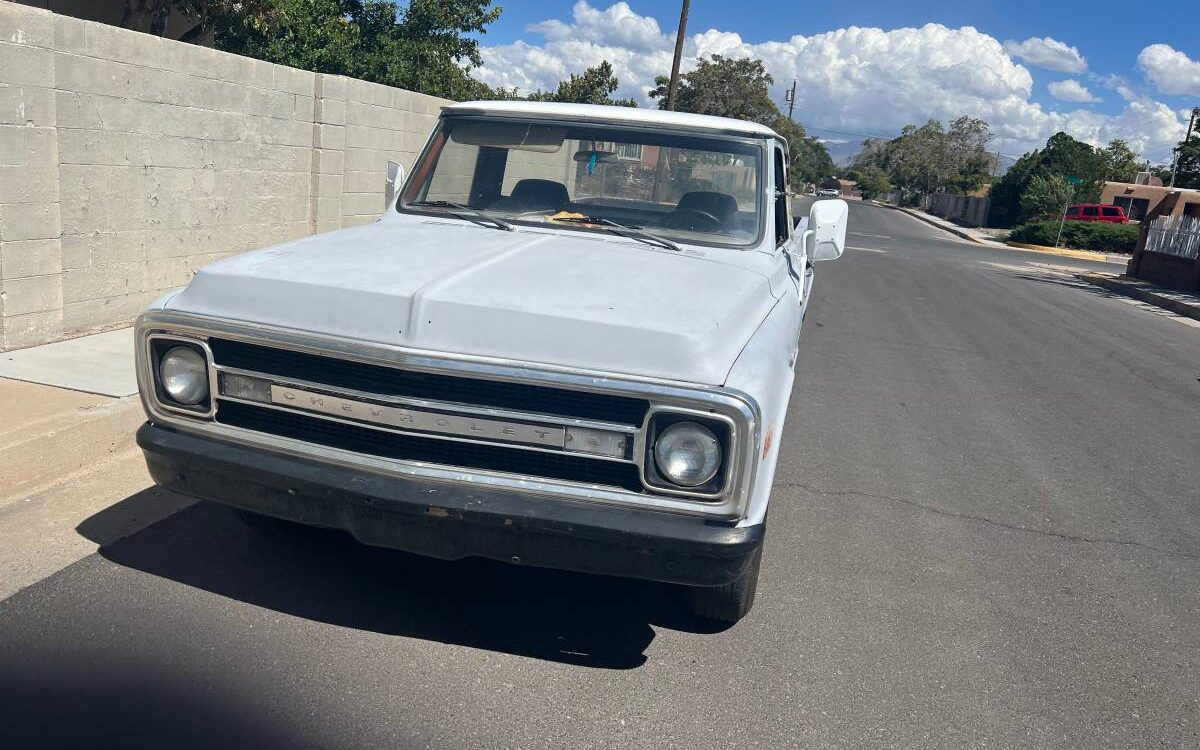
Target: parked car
(1096, 212)
(828, 193)
(548, 351)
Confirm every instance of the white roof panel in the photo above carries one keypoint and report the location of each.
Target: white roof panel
(622, 115)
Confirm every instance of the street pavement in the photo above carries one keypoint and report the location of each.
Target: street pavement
(985, 533)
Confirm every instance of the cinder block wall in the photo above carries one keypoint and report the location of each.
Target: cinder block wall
(128, 161)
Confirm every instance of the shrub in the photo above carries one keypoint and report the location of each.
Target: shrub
(1045, 195)
(1081, 235)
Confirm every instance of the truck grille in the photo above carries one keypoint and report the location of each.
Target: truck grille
(464, 393)
(444, 452)
(388, 381)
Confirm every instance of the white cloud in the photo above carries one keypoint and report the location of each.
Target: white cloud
(1118, 84)
(1071, 90)
(1169, 70)
(852, 80)
(1051, 54)
(618, 25)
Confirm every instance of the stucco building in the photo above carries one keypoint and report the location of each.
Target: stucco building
(1138, 197)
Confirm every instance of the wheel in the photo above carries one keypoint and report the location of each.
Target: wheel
(731, 602)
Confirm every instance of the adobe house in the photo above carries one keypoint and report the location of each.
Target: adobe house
(1146, 192)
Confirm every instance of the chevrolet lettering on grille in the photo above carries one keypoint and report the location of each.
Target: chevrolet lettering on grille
(419, 420)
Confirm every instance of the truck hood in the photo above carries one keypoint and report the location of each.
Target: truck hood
(595, 303)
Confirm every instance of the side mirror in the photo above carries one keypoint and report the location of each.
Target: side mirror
(827, 221)
(392, 183)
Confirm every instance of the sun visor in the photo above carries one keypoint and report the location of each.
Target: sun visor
(515, 136)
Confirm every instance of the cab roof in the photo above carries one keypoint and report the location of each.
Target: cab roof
(612, 115)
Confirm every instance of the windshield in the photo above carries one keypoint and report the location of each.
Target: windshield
(688, 189)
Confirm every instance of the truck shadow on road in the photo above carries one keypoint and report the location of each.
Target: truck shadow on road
(327, 576)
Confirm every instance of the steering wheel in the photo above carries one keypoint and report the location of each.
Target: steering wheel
(693, 219)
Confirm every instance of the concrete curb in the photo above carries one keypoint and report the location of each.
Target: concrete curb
(945, 228)
(1068, 253)
(42, 452)
(1132, 288)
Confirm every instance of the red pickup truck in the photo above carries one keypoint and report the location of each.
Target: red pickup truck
(1096, 212)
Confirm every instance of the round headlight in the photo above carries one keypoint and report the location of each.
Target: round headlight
(184, 375)
(687, 454)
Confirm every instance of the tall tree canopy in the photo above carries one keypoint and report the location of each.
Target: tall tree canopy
(593, 86)
(724, 87)
(740, 88)
(427, 46)
(931, 157)
(1121, 164)
(1062, 157)
(1187, 171)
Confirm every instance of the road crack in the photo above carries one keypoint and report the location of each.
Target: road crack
(989, 521)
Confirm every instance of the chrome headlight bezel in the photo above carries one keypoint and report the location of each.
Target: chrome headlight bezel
(157, 347)
(722, 428)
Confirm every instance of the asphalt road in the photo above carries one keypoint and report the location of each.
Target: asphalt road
(985, 533)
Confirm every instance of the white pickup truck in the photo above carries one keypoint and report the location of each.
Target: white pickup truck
(568, 342)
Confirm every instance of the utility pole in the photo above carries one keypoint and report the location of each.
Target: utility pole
(790, 98)
(674, 84)
(1187, 134)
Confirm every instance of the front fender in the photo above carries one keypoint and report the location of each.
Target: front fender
(765, 371)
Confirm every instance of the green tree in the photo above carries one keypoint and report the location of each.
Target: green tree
(593, 86)
(152, 16)
(931, 157)
(970, 164)
(1121, 164)
(808, 159)
(1045, 195)
(872, 181)
(1063, 156)
(723, 87)
(1187, 170)
(1068, 157)
(1006, 192)
(428, 47)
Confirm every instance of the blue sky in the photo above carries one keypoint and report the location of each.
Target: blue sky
(1098, 69)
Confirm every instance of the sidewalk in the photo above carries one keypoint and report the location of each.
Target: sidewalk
(68, 413)
(1180, 303)
(101, 363)
(971, 234)
(981, 237)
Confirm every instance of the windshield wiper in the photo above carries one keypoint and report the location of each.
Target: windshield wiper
(461, 208)
(624, 230)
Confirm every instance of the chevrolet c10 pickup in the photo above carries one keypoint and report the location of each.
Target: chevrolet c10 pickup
(568, 342)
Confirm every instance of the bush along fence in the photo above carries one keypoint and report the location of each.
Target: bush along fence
(1080, 235)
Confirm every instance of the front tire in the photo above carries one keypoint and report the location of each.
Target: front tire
(732, 601)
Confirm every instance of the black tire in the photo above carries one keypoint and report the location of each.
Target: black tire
(731, 602)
